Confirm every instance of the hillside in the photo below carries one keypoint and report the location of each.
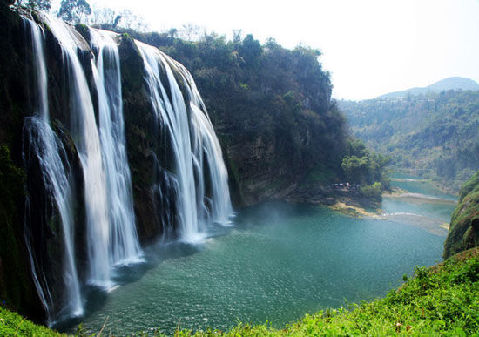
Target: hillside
(441, 300)
(452, 83)
(464, 227)
(433, 135)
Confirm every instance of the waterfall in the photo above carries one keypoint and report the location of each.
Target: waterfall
(49, 151)
(194, 188)
(124, 247)
(192, 142)
(111, 232)
(87, 141)
(207, 144)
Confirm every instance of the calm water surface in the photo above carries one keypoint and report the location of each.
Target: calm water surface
(276, 263)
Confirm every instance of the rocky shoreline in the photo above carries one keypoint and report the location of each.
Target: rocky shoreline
(345, 200)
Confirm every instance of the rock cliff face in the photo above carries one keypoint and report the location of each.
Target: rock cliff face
(142, 139)
(16, 286)
(271, 155)
(464, 227)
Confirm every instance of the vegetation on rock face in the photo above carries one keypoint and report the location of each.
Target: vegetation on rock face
(16, 287)
(270, 106)
(464, 227)
(13, 278)
(434, 135)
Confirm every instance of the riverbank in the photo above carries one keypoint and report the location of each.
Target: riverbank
(351, 204)
(449, 186)
(404, 207)
(440, 300)
(347, 207)
(398, 193)
(341, 198)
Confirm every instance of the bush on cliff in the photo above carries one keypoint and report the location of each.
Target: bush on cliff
(363, 167)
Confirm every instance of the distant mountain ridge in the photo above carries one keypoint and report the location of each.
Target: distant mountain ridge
(434, 135)
(451, 83)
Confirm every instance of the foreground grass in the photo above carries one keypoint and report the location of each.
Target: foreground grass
(12, 324)
(442, 300)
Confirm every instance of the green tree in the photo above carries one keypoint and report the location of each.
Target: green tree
(372, 191)
(250, 49)
(355, 169)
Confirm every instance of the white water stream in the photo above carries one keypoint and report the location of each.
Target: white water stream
(124, 247)
(191, 142)
(48, 148)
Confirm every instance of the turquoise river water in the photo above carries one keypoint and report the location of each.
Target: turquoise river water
(276, 263)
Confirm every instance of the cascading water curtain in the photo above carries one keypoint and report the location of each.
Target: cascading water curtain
(51, 156)
(87, 141)
(192, 141)
(124, 246)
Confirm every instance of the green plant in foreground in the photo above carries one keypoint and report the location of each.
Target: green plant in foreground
(12, 324)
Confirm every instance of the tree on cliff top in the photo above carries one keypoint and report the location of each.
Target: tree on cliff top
(74, 11)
